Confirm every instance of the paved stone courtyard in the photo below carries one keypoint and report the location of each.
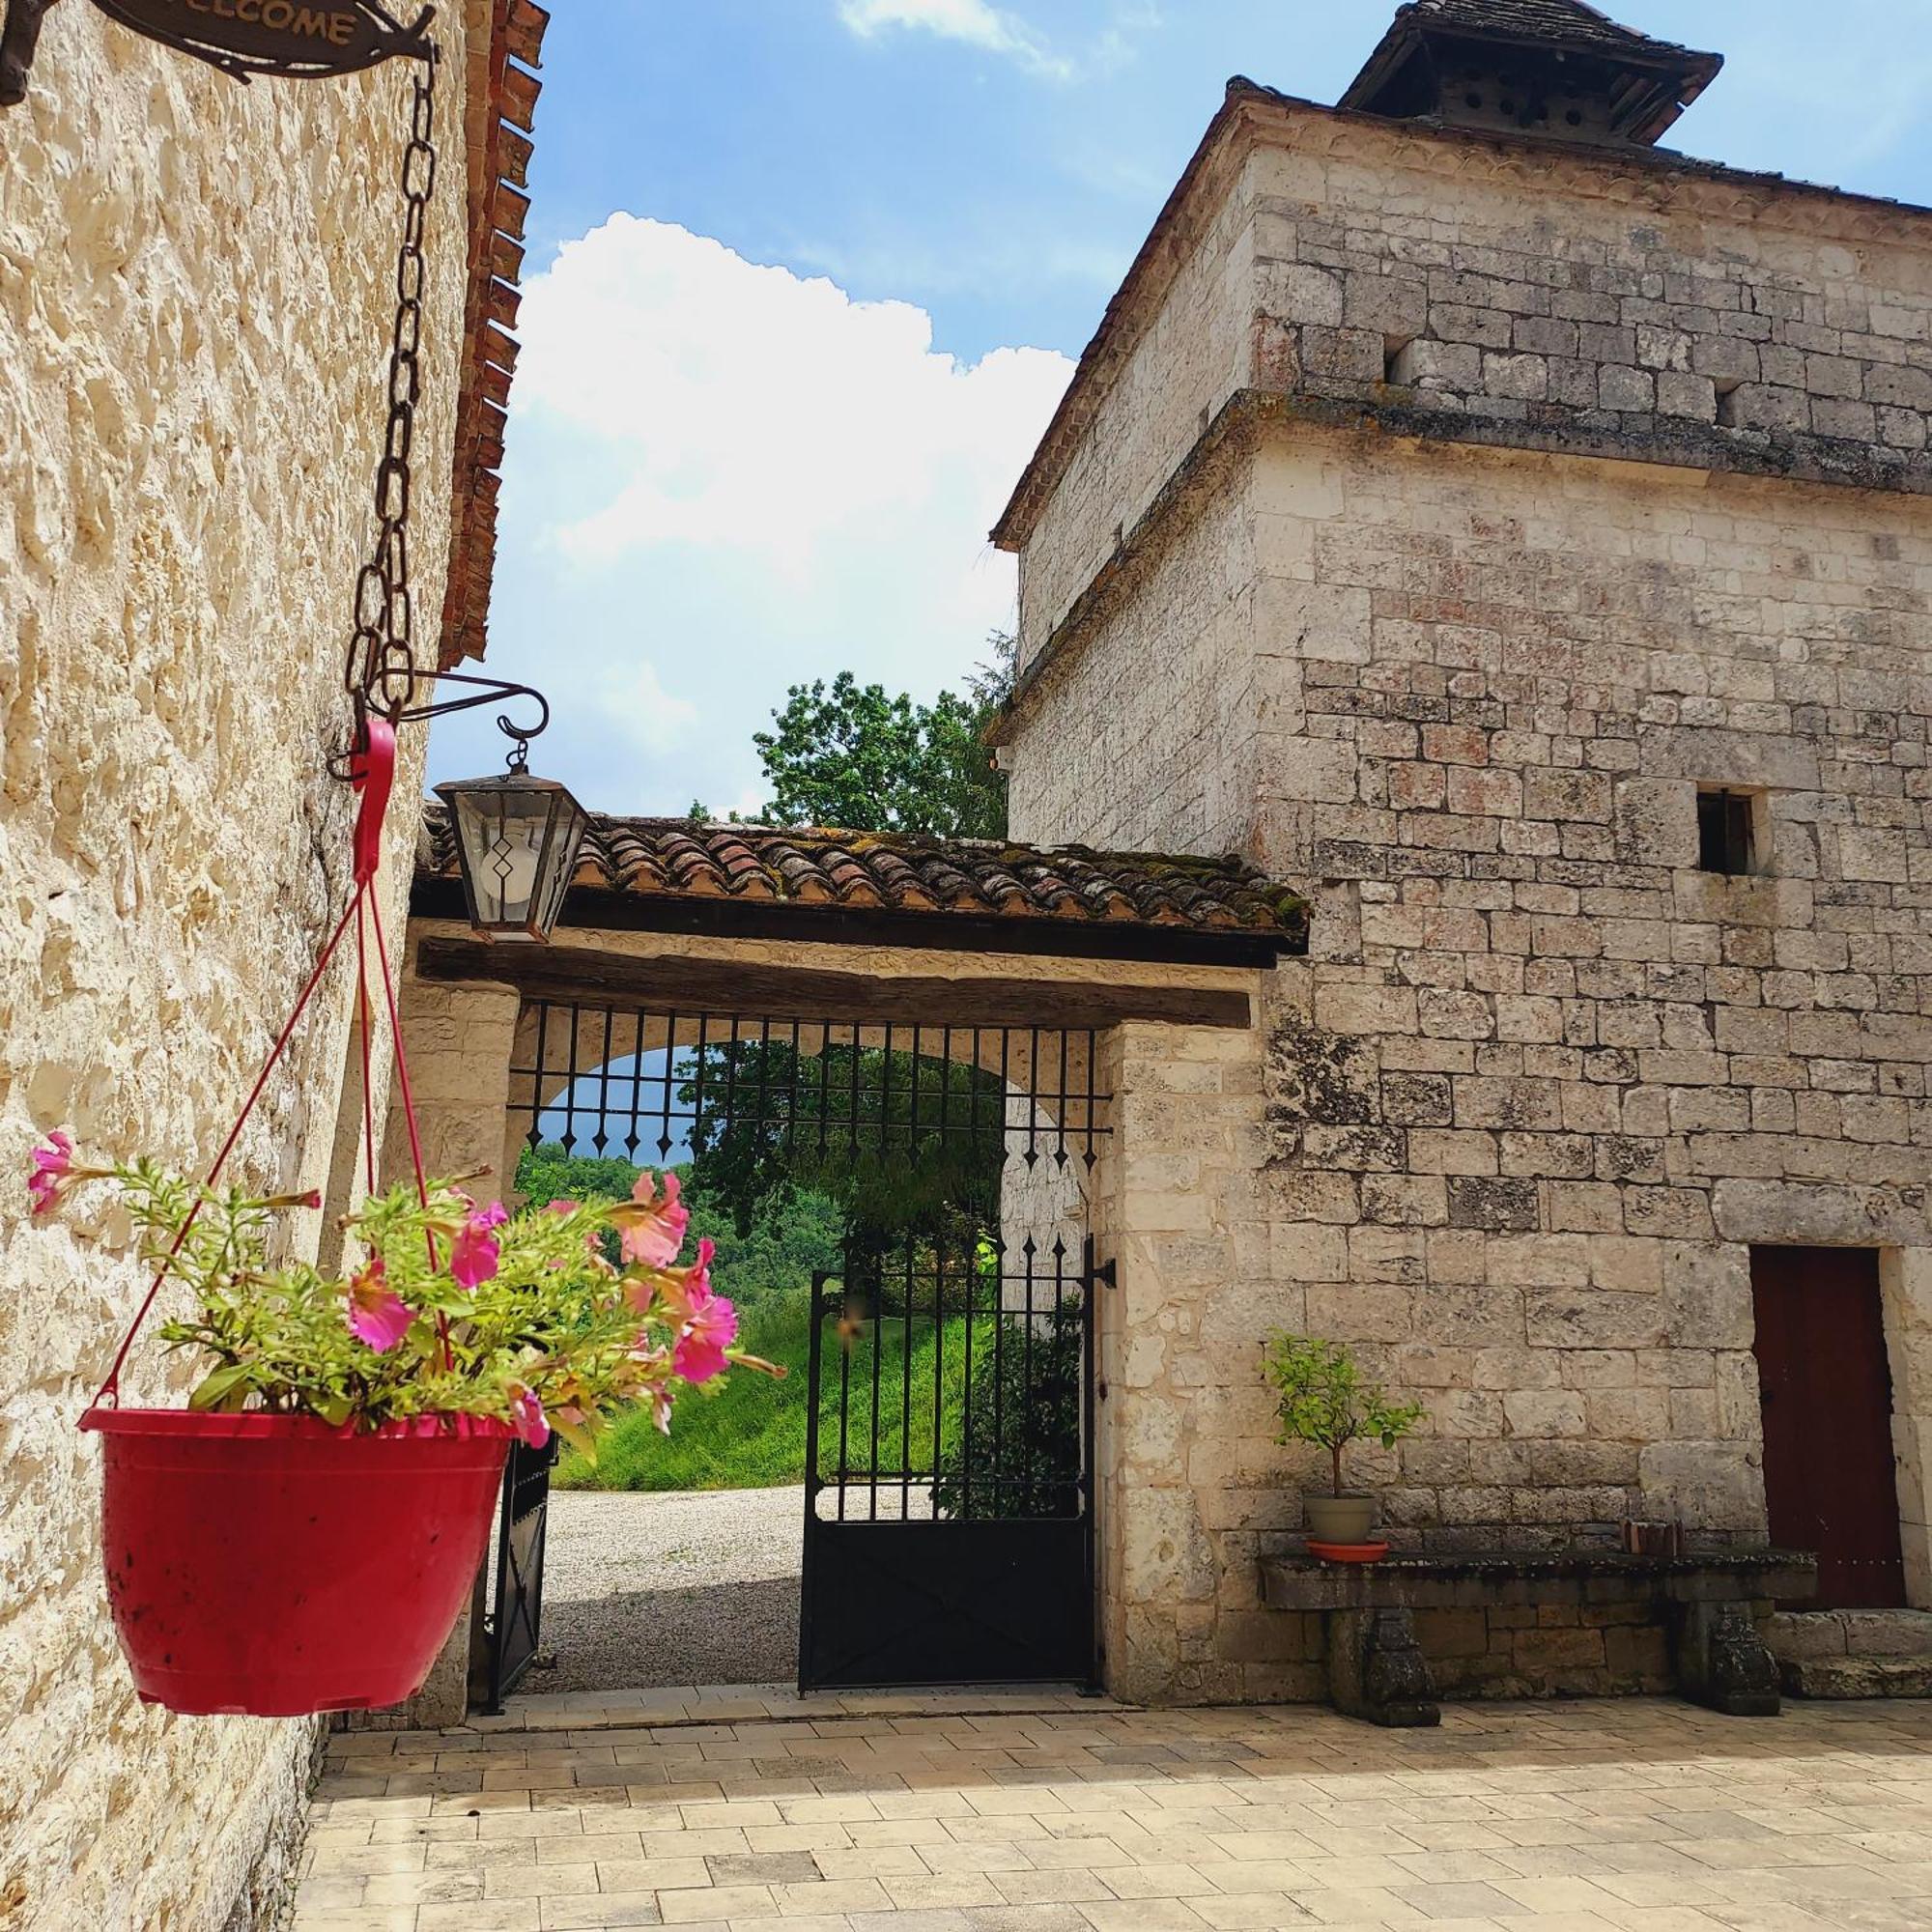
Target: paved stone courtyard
(1022, 1812)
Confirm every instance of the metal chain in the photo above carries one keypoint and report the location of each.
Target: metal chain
(381, 670)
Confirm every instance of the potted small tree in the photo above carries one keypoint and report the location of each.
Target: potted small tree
(300, 1537)
(1324, 1398)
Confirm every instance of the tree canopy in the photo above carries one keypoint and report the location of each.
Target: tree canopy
(855, 756)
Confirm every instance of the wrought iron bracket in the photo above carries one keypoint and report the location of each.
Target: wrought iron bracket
(242, 38)
(19, 36)
(487, 691)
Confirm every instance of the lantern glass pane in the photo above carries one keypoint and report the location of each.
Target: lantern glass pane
(567, 828)
(503, 834)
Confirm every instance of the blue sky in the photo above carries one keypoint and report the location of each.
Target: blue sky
(805, 278)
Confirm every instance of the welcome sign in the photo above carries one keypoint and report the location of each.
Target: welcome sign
(278, 37)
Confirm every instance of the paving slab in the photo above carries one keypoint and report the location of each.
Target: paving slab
(1044, 1811)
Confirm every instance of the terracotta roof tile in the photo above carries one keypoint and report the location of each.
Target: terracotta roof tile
(809, 865)
(504, 97)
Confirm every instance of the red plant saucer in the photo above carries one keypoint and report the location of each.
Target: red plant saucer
(1347, 1553)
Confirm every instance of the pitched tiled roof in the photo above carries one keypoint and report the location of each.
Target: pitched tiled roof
(1656, 80)
(1561, 22)
(501, 109)
(676, 859)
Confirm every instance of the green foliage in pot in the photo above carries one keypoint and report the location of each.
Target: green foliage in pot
(1323, 1397)
(550, 1317)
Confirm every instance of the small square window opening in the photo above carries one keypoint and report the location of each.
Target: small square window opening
(1726, 832)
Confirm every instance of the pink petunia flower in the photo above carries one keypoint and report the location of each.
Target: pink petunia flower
(53, 1164)
(528, 1418)
(675, 1287)
(661, 1407)
(377, 1314)
(562, 1208)
(698, 1276)
(654, 1238)
(710, 1327)
(473, 1258)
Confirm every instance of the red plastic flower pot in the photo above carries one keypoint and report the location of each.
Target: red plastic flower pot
(270, 1565)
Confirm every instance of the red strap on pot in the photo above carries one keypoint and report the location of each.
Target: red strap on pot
(372, 771)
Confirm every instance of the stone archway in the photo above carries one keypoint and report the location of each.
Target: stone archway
(472, 1014)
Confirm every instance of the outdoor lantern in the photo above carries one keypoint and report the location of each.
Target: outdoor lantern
(517, 840)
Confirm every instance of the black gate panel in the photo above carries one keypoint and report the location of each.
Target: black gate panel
(515, 1622)
(949, 1500)
(946, 1603)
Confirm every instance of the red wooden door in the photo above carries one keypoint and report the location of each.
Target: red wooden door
(1829, 1475)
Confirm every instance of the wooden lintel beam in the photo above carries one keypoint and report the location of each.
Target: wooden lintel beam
(687, 986)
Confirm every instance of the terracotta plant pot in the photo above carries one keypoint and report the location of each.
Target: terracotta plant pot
(1339, 1518)
(270, 1565)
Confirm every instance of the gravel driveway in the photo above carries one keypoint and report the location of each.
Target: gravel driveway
(698, 1587)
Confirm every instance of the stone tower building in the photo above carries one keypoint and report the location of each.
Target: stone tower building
(1515, 534)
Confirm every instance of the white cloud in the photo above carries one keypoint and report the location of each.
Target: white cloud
(973, 21)
(633, 700)
(726, 478)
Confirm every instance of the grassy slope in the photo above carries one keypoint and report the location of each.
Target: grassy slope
(751, 1434)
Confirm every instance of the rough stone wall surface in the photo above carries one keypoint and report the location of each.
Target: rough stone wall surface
(1485, 289)
(1131, 780)
(1556, 1077)
(1185, 367)
(194, 307)
(1541, 1081)
(1454, 279)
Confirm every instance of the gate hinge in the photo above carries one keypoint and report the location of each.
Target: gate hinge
(1104, 1273)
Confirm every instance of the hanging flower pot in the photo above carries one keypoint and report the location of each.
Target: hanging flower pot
(273, 1566)
(302, 1536)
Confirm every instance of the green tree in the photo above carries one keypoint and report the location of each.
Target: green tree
(854, 756)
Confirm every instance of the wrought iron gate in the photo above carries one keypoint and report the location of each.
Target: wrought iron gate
(949, 1526)
(515, 1621)
(949, 1503)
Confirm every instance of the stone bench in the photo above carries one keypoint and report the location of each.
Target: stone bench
(1702, 1605)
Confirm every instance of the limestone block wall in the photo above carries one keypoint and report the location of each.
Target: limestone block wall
(194, 306)
(1569, 293)
(1193, 1490)
(1165, 387)
(1556, 1078)
(1128, 779)
(1541, 1082)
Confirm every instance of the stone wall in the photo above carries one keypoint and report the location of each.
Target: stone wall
(1165, 385)
(194, 303)
(1707, 323)
(1581, 1075)
(1541, 1082)
(1131, 781)
(1493, 289)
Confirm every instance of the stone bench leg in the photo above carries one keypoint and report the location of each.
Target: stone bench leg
(1376, 1667)
(1722, 1662)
